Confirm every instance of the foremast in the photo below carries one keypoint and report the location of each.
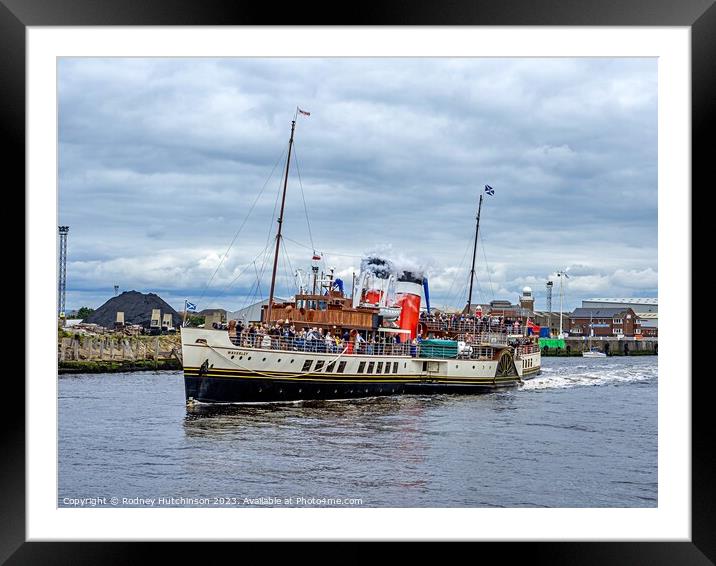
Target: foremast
(280, 225)
(474, 253)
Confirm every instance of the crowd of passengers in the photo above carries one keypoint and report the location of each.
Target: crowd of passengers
(313, 339)
(460, 322)
(282, 336)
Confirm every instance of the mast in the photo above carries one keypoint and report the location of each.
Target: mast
(280, 223)
(561, 275)
(474, 253)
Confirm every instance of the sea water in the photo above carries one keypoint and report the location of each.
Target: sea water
(582, 434)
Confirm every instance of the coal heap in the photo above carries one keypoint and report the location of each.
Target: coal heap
(137, 308)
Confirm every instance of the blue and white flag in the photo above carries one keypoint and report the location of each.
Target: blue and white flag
(489, 190)
(190, 306)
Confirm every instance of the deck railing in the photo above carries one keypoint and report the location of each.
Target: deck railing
(470, 326)
(472, 347)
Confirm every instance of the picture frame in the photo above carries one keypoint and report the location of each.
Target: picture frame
(700, 15)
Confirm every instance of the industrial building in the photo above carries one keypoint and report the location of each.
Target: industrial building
(645, 308)
(638, 305)
(604, 322)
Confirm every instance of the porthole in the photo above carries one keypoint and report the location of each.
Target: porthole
(335, 391)
(241, 357)
(232, 357)
(300, 390)
(279, 359)
(473, 367)
(291, 361)
(263, 360)
(280, 390)
(260, 390)
(248, 358)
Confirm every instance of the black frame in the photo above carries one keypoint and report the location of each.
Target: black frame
(699, 15)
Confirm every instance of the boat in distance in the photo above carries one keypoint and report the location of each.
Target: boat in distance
(593, 353)
(325, 344)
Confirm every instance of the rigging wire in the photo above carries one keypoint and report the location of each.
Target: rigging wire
(251, 293)
(290, 267)
(285, 271)
(459, 268)
(263, 252)
(258, 282)
(268, 240)
(314, 249)
(236, 235)
(303, 196)
(235, 279)
(487, 268)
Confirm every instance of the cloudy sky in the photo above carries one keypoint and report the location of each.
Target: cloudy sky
(163, 161)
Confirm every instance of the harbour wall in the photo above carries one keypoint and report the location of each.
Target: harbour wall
(574, 346)
(117, 352)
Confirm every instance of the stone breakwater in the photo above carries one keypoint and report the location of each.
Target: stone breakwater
(117, 352)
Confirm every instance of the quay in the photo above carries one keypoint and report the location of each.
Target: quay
(610, 345)
(117, 353)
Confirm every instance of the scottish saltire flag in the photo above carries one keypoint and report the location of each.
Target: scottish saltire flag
(489, 190)
(190, 306)
(304, 112)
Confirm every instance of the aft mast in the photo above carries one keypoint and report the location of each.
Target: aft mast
(280, 223)
(474, 253)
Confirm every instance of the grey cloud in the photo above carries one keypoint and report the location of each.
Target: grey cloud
(160, 160)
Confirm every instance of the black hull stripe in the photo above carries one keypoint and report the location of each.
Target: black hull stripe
(236, 390)
(321, 379)
(242, 371)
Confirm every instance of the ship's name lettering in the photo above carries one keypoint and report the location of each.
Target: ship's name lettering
(237, 353)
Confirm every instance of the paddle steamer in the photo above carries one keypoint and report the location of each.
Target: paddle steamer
(373, 343)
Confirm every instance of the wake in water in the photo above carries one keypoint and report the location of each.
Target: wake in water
(561, 373)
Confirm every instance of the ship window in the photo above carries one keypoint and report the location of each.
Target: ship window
(379, 367)
(361, 367)
(307, 365)
(370, 367)
(341, 367)
(331, 367)
(319, 365)
(395, 367)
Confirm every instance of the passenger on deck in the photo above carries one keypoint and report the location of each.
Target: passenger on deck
(232, 332)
